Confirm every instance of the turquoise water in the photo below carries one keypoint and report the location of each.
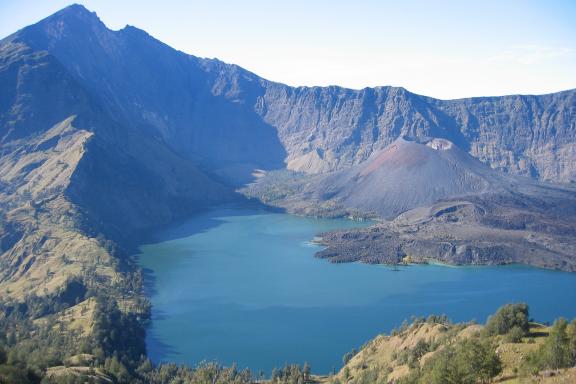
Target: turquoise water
(240, 285)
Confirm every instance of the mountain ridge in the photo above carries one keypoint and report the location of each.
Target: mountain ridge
(348, 128)
(106, 135)
(170, 133)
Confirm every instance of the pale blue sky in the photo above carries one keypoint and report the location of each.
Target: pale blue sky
(441, 48)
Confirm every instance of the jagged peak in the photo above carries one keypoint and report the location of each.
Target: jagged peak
(128, 28)
(76, 10)
(74, 18)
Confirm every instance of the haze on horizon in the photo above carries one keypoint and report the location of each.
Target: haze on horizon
(448, 49)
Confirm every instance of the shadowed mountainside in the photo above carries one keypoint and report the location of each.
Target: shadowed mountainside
(114, 132)
(69, 171)
(231, 119)
(106, 134)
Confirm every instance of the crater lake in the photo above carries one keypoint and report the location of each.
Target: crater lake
(243, 285)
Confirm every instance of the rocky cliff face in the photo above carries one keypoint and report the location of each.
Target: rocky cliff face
(73, 175)
(330, 128)
(438, 203)
(202, 109)
(114, 132)
(231, 120)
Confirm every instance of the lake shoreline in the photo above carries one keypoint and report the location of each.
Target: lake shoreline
(237, 285)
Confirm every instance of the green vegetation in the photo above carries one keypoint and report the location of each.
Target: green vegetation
(348, 356)
(291, 374)
(434, 350)
(511, 318)
(558, 350)
(412, 355)
(468, 361)
(37, 346)
(114, 349)
(11, 372)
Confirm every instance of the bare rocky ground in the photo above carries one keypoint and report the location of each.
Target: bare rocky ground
(461, 232)
(433, 202)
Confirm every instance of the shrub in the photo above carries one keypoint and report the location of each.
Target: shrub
(515, 335)
(348, 356)
(508, 317)
(555, 352)
(469, 361)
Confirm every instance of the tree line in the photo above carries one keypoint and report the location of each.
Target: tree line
(116, 347)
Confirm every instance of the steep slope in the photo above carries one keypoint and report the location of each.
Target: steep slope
(444, 205)
(123, 131)
(439, 203)
(407, 174)
(330, 128)
(203, 109)
(41, 150)
(521, 134)
(408, 353)
(69, 171)
(234, 121)
(106, 134)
